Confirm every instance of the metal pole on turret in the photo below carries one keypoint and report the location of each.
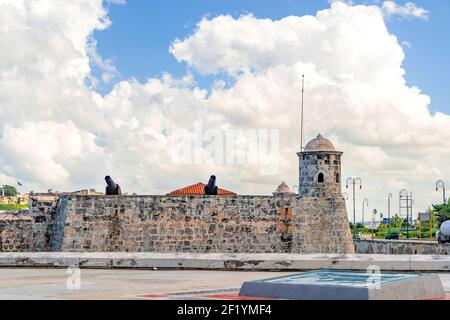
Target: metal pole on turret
(301, 136)
(301, 119)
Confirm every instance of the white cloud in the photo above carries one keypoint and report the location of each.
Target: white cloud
(408, 10)
(116, 1)
(349, 2)
(57, 133)
(49, 151)
(406, 44)
(109, 70)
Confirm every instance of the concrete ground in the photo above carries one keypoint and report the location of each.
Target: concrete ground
(129, 284)
(119, 284)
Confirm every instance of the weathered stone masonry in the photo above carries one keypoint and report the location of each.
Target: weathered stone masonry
(411, 247)
(259, 224)
(16, 232)
(43, 209)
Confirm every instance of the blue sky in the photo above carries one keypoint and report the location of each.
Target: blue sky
(142, 31)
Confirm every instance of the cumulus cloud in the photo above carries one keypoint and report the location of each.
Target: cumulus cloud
(356, 90)
(56, 132)
(116, 1)
(408, 10)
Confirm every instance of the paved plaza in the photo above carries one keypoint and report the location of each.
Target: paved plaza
(120, 284)
(130, 284)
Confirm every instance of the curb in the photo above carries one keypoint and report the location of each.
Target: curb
(217, 261)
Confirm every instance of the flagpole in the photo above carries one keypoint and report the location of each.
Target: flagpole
(301, 119)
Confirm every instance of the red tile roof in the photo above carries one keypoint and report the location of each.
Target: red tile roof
(198, 190)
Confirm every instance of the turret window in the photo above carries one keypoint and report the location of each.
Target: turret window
(321, 178)
(338, 178)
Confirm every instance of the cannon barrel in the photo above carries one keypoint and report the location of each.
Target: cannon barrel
(110, 182)
(211, 188)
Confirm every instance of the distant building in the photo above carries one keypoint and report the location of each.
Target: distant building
(51, 192)
(198, 190)
(90, 192)
(19, 199)
(283, 189)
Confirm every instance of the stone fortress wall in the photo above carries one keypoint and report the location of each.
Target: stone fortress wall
(248, 224)
(281, 224)
(315, 221)
(16, 232)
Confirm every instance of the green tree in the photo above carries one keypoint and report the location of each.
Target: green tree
(10, 191)
(361, 228)
(398, 221)
(441, 212)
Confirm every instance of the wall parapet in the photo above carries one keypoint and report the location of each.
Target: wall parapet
(409, 247)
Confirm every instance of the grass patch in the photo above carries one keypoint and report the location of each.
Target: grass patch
(7, 207)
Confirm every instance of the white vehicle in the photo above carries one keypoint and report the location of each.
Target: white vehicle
(443, 235)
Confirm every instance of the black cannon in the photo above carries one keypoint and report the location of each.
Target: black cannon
(112, 189)
(211, 188)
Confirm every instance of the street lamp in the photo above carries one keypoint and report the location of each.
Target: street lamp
(354, 182)
(365, 203)
(374, 214)
(441, 184)
(389, 212)
(345, 195)
(409, 202)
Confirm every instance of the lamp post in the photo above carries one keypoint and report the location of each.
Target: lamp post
(354, 182)
(389, 213)
(408, 197)
(441, 184)
(374, 214)
(345, 195)
(365, 203)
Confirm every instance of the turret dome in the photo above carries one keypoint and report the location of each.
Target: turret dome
(283, 188)
(319, 144)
